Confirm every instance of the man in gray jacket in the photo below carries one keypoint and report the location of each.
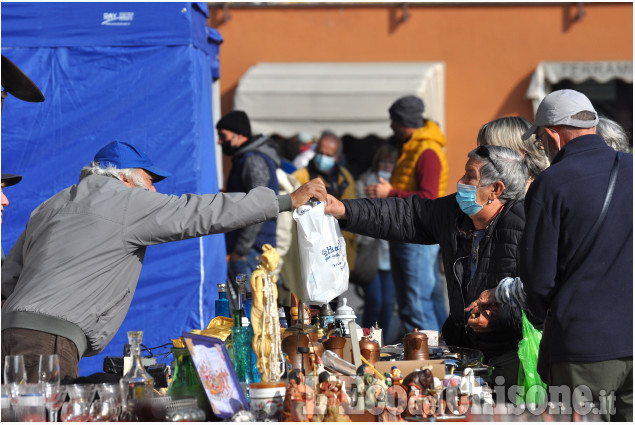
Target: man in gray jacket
(68, 282)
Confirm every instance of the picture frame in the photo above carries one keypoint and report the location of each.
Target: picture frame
(217, 374)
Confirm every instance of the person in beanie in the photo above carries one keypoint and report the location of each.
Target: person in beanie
(69, 280)
(421, 170)
(254, 163)
(590, 302)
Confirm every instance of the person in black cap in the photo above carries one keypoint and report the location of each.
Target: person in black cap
(254, 163)
(68, 281)
(421, 170)
(16, 82)
(7, 180)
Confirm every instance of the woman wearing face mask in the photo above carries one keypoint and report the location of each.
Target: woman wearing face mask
(379, 291)
(478, 229)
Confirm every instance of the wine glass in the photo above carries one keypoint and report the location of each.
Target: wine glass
(75, 410)
(14, 370)
(54, 396)
(107, 408)
(29, 406)
(49, 370)
(14, 374)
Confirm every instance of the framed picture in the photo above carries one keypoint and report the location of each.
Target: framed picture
(217, 374)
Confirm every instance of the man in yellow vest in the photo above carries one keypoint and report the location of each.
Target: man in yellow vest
(422, 170)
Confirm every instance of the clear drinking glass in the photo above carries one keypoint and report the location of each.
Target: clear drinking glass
(75, 411)
(7, 410)
(30, 403)
(54, 396)
(49, 370)
(14, 370)
(108, 407)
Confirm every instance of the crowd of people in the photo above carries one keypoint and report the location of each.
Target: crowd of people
(541, 221)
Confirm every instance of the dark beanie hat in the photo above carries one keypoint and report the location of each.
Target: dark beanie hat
(407, 111)
(236, 121)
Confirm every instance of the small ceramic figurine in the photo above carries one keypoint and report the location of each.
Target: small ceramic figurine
(264, 317)
(299, 399)
(336, 397)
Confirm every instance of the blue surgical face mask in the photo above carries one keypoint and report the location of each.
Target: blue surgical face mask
(466, 198)
(324, 163)
(384, 175)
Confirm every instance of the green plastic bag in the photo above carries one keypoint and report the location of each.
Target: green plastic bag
(528, 378)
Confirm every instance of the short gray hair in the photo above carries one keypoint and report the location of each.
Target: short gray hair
(613, 134)
(508, 132)
(327, 134)
(110, 171)
(504, 164)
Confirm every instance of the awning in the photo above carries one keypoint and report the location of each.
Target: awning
(345, 97)
(552, 72)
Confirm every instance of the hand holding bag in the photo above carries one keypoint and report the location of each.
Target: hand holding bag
(322, 254)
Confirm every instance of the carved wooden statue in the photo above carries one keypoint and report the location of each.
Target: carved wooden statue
(264, 317)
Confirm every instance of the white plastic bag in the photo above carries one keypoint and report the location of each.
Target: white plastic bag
(322, 254)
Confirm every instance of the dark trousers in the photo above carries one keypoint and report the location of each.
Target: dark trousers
(32, 343)
(604, 379)
(505, 374)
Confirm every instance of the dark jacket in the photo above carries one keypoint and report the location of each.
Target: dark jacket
(440, 221)
(592, 306)
(254, 165)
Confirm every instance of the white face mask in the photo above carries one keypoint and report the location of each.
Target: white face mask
(384, 175)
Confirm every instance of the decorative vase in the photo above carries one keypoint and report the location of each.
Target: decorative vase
(267, 400)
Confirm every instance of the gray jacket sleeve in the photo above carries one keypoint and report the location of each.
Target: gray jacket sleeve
(152, 218)
(12, 268)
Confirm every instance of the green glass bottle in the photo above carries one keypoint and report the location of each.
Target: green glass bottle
(186, 382)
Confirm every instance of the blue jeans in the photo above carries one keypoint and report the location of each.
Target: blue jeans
(379, 300)
(418, 285)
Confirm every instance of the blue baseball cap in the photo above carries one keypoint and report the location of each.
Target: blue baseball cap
(124, 155)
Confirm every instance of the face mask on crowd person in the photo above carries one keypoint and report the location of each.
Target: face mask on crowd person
(324, 163)
(384, 174)
(466, 198)
(228, 149)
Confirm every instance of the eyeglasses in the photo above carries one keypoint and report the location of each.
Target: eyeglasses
(484, 152)
(538, 142)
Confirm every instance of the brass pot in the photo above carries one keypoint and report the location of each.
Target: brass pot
(415, 346)
(335, 344)
(369, 350)
(290, 346)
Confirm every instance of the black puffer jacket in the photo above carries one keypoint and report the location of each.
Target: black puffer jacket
(441, 221)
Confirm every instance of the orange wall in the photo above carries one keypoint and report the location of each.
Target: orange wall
(490, 51)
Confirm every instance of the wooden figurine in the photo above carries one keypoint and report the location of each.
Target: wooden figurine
(264, 317)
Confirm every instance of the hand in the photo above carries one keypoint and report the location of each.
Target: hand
(486, 300)
(313, 189)
(479, 320)
(380, 190)
(335, 207)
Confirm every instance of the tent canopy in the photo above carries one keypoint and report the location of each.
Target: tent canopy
(548, 73)
(345, 97)
(134, 72)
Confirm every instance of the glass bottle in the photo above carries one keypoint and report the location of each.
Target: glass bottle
(222, 303)
(241, 343)
(186, 382)
(137, 383)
